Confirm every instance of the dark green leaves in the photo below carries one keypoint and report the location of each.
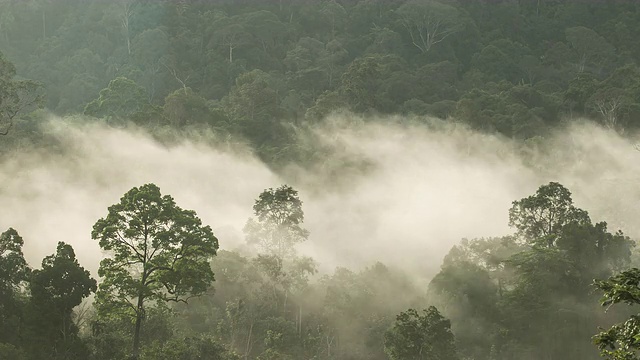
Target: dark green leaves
(621, 341)
(540, 217)
(158, 252)
(416, 336)
(16, 96)
(61, 283)
(13, 267)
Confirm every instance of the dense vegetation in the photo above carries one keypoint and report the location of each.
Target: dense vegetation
(526, 296)
(257, 68)
(263, 72)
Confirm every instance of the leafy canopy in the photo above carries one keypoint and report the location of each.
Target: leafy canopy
(16, 96)
(416, 336)
(541, 216)
(278, 223)
(622, 340)
(158, 252)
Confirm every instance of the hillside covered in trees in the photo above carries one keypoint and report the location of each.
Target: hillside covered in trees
(256, 69)
(260, 78)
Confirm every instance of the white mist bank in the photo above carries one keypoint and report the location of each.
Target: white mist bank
(421, 191)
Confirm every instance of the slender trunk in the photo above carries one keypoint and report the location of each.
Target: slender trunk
(136, 333)
(64, 328)
(284, 305)
(44, 25)
(248, 346)
(125, 25)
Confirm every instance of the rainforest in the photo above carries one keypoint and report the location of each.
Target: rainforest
(319, 180)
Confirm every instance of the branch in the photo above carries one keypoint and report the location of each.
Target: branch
(123, 241)
(175, 75)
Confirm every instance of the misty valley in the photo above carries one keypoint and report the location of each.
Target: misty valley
(319, 180)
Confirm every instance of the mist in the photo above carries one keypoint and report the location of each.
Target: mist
(385, 189)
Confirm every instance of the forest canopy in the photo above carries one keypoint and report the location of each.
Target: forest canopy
(263, 76)
(253, 68)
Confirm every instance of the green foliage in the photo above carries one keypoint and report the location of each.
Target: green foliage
(56, 290)
(540, 217)
(185, 108)
(8, 351)
(62, 283)
(261, 71)
(429, 22)
(14, 272)
(621, 341)
(188, 348)
(122, 100)
(277, 227)
(511, 67)
(416, 336)
(16, 96)
(13, 267)
(529, 294)
(159, 252)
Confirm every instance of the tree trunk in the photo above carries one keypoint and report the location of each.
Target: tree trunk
(136, 334)
(247, 348)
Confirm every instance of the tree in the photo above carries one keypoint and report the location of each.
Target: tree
(265, 28)
(622, 340)
(56, 290)
(159, 252)
(361, 81)
(13, 266)
(13, 274)
(278, 224)
(423, 336)
(540, 217)
(429, 22)
(183, 107)
(16, 96)
(123, 99)
(204, 348)
(615, 98)
(550, 279)
(253, 108)
(149, 53)
(472, 285)
(593, 53)
(229, 32)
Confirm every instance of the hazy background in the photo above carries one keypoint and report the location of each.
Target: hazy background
(398, 193)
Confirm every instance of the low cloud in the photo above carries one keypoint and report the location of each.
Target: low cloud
(387, 189)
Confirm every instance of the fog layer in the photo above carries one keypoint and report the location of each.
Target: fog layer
(381, 190)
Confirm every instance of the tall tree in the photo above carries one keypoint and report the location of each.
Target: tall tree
(122, 100)
(429, 22)
(13, 266)
(16, 96)
(56, 290)
(277, 227)
(14, 272)
(159, 252)
(540, 217)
